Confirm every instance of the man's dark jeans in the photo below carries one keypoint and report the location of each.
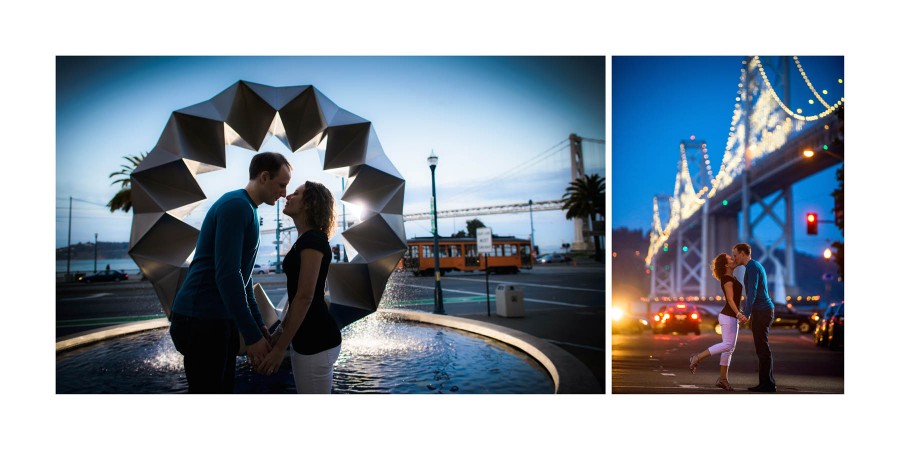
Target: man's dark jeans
(210, 349)
(760, 321)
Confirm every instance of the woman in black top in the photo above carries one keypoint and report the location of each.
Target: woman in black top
(308, 327)
(723, 269)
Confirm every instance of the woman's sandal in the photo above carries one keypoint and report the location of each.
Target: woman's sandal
(693, 363)
(724, 384)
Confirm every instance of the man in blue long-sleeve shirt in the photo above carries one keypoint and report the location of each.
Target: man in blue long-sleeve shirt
(216, 300)
(761, 310)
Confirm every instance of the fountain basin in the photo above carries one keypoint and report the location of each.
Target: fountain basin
(478, 358)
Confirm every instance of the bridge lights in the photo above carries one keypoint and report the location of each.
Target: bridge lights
(827, 254)
(812, 223)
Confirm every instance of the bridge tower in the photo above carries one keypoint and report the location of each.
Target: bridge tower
(581, 226)
(783, 217)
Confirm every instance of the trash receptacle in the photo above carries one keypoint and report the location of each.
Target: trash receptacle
(510, 300)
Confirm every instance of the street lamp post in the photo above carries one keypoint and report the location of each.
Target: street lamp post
(531, 214)
(438, 293)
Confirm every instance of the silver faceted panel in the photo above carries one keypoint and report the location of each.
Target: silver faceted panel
(194, 140)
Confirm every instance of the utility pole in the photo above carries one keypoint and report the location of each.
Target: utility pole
(343, 219)
(278, 236)
(69, 245)
(95, 252)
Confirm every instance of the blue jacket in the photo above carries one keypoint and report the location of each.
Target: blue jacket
(756, 287)
(219, 283)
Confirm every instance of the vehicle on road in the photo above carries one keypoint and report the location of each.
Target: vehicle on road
(260, 269)
(508, 255)
(105, 275)
(550, 258)
(785, 317)
(821, 331)
(836, 329)
(625, 323)
(788, 317)
(680, 317)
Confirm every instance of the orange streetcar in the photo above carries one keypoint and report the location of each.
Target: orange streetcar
(508, 255)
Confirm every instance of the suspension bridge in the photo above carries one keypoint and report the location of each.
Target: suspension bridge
(770, 148)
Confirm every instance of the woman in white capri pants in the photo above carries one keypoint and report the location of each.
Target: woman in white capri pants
(723, 269)
(308, 328)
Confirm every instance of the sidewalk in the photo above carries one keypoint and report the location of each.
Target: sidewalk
(579, 331)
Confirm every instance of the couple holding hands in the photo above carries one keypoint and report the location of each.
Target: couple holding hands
(758, 309)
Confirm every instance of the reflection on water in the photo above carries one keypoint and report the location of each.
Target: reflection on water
(377, 356)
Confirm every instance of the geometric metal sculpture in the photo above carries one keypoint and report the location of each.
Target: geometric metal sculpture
(165, 188)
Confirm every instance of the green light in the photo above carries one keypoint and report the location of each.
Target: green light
(724, 202)
(825, 147)
(684, 249)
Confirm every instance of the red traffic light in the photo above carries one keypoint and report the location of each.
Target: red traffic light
(812, 223)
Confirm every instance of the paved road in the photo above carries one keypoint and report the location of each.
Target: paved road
(657, 364)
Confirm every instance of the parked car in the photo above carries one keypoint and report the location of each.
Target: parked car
(836, 329)
(821, 336)
(105, 275)
(787, 317)
(553, 258)
(263, 269)
(625, 323)
(680, 317)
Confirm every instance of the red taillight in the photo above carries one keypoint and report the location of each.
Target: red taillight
(694, 316)
(656, 318)
(681, 306)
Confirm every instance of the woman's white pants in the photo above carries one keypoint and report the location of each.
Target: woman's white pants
(729, 340)
(313, 373)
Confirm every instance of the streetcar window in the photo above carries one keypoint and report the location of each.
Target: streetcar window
(426, 251)
(454, 251)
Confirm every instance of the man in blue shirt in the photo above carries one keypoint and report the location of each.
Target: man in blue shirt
(760, 310)
(216, 300)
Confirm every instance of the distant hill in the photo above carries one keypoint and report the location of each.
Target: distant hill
(105, 250)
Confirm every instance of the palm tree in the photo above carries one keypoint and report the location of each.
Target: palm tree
(122, 199)
(585, 198)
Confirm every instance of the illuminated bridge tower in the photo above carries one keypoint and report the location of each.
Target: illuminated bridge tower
(770, 148)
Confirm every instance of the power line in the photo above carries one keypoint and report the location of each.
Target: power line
(524, 165)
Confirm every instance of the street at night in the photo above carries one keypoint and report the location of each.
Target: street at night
(650, 363)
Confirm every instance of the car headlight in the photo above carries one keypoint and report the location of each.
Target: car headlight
(617, 313)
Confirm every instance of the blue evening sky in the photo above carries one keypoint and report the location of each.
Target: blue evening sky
(659, 101)
(485, 117)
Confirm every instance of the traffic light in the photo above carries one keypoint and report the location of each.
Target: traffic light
(812, 223)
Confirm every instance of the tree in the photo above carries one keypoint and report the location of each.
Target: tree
(473, 225)
(838, 209)
(459, 234)
(585, 198)
(122, 199)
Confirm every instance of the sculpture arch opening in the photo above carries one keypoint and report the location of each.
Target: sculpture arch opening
(194, 141)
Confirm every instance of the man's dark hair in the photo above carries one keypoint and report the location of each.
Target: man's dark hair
(743, 248)
(268, 162)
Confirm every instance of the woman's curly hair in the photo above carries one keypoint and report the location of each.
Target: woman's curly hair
(718, 265)
(319, 207)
